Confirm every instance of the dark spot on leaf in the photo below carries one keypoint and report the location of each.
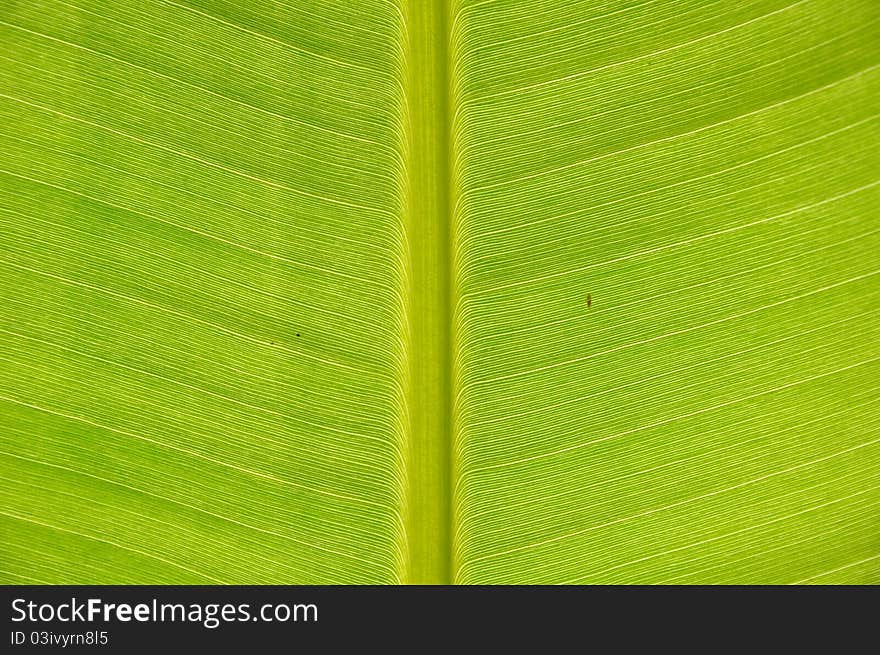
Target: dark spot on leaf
(297, 334)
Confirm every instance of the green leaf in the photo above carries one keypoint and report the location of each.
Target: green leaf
(392, 291)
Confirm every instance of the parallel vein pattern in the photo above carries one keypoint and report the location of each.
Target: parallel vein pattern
(482, 291)
(667, 285)
(203, 260)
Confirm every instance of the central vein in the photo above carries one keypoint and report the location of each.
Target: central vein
(429, 503)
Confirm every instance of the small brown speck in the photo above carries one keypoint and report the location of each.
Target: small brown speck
(297, 334)
(589, 301)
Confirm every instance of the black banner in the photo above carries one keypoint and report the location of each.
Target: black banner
(423, 619)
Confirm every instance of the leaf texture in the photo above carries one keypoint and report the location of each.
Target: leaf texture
(667, 267)
(472, 291)
(203, 259)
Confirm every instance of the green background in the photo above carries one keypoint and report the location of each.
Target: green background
(296, 291)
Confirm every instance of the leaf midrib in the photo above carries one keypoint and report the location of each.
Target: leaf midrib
(429, 466)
